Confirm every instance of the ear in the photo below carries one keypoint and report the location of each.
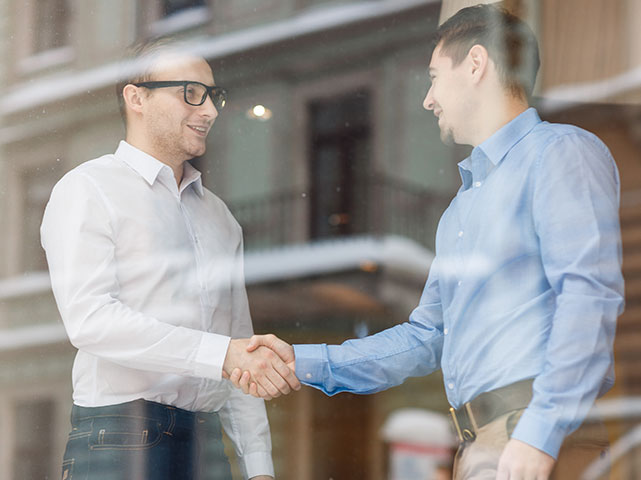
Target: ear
(478, 61)
(133, 98)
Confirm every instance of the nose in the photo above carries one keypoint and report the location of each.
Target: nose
(428, 103)
(208, 109)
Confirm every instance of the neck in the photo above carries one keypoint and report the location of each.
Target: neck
(143, 145)
(495, 114)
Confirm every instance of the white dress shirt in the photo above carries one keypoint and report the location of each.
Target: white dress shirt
(148, 278)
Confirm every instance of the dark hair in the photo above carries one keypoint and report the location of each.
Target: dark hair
(509, 41)
(139, 63)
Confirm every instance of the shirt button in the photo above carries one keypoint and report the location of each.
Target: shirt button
(450, 386)
(446, 331)
(308, 376)
(459, 283)
(477, 184)
(460, 233)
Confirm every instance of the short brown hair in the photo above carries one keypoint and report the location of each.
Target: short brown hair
(509, 41)
(139, 62)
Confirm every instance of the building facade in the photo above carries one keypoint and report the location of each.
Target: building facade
(338, 181)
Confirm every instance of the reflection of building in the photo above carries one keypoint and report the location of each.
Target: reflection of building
(338, 192)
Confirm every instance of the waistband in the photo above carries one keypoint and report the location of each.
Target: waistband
(488, 406)
(170, 416)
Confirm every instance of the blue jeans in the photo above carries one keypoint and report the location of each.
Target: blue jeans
(142, 440)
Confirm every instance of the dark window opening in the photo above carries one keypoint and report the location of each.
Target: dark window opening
(340, 144)
(174, 6)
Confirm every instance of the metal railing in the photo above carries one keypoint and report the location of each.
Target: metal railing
(380, 205)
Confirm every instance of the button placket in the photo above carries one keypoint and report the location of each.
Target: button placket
(197, 254)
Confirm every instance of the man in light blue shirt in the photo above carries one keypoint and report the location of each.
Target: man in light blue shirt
(520, 305)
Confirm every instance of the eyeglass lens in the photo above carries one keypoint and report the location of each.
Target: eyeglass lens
(196, 94)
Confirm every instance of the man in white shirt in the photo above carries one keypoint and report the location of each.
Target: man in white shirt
(147, 270)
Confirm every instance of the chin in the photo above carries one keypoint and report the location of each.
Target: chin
(447, 137)
(196, 150)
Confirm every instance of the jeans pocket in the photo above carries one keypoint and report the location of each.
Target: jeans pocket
(124, 433)
(67, 469)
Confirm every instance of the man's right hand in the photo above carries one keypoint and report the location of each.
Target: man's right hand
(244, 380)
(266, 367)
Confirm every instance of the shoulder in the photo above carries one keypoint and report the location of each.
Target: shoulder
(560, 136)
(104, 174)
(88, 182)
(78, 193)
(83, 173)
(88, 172)
(566, 153)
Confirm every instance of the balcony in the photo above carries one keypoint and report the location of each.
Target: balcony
(375, 206)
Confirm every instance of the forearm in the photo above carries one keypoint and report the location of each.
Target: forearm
(370, 364)
(117, 333)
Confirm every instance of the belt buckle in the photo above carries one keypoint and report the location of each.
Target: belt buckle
(465, 434)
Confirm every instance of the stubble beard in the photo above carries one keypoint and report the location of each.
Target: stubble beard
(177, 146)
(447, 136)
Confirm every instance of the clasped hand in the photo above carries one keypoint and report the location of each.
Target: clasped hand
(262, 366)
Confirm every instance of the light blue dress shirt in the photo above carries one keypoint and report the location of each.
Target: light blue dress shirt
(526, 283)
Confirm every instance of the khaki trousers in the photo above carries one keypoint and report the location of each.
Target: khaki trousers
(478, 460)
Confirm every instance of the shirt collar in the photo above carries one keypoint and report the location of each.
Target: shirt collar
(499, 144)
(149, 167)
(192, 176)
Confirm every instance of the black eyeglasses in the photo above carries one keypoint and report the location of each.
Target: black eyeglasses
(195, 92)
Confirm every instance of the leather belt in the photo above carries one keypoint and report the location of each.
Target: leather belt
(489, 406)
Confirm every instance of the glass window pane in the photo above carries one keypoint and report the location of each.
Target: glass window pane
(34, 438)
(52, 31)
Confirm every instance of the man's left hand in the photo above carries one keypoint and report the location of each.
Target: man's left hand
(520, 461)
(262, 477)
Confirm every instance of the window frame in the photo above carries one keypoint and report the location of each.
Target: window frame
(152, 22)
(30, 61)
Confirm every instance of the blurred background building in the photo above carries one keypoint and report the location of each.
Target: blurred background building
(327, 159)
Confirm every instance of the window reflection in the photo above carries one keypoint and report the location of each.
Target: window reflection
(52, 25)
(173, 6)
(340, 168)
(34, 438)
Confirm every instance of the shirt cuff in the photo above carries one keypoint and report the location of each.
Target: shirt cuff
(310, 361)
(539, 433)
(257, 463)
(211, 356)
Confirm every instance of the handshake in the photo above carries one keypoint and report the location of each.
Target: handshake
(262, 366)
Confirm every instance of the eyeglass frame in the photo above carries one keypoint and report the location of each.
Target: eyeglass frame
(211, 92)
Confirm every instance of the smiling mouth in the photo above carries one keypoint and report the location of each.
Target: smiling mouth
(199, 130)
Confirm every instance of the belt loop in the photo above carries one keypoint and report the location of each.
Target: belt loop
(470, 415)
(456, 425)
(172, 420)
